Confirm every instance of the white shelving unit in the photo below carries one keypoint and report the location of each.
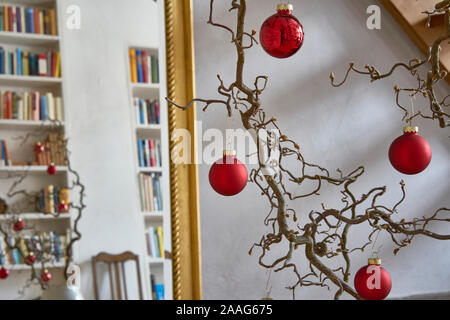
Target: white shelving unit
(161, 268)
(21, 267)
(29, 81)
(32, 169)
(37, 175)
(35, 216)
(31, 124)
(28, 38)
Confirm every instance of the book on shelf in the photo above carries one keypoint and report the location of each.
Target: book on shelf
(147, 111)
(23, 19)
(4, 154)
(50, 197)
(150, 191)
(153, 285)
(30, 106)
(155, 247)
(159, 290)
(149, 153)
(45, 246)
(26, 63)
(143, 66)
(54, 150)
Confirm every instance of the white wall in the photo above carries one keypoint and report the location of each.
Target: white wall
(337, 128)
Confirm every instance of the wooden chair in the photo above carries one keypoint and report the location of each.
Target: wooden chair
(116, 260)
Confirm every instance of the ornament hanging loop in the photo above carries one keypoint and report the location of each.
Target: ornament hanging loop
(412, 97)
(375, 252)
(268, 289)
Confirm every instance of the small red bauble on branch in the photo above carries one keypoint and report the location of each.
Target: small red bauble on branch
(410, 153)
(30, 259)
(63, 207)
(372, 282)
(19, 225)
(39, 147)
(228, 176)
(46, 276)
(51, 170)
(282, 34)
(4, 273)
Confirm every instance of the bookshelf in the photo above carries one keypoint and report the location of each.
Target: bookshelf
(36, 216)
(37, 177)
(21, 267)
(159, 267)
(8, 37)
(30, 124)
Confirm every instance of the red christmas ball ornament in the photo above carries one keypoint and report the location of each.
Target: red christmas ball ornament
(46, 276)
(228, 176)
(30, 259)
(39, 147)
(51, 170)
(19, 225)
(4, 273)
(373, 282)
(63, 207)
(410, 153)
(282, 35)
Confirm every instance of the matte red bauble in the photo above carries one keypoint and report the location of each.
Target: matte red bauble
(51, 170)
(372, 282)
(46, 276)
(410, 153)
(63, 207)
(19, 225)
(228, 176)
(282, 34)
(4, 273)
(30, 259)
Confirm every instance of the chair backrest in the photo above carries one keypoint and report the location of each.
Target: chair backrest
(117, 260)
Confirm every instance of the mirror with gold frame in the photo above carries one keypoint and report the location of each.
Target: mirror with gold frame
(98, 86)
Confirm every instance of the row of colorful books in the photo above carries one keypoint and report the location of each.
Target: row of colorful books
(143, 66)
(51, 150)
(25, 63)
(150, 190)
(4, 154)
(157, 289)
(30, 106)
(147, 111)
(50, 197)
(149, 152)
(45, 246)
(29, 20)
(155, 247)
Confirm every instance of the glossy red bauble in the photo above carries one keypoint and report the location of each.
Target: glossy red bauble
(46, 276)
(4, 273)
(228, 176)
(281, 35)
(63, 207)
(410, 153)
(30, 259)
(51, 169)
(19, 225)
(39, 147)
(372, 282)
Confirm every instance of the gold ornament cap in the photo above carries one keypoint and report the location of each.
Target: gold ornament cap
(410, 129)
(229, 153)
(285, 7)
(376, 261)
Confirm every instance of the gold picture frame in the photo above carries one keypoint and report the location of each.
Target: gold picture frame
(186, 253)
